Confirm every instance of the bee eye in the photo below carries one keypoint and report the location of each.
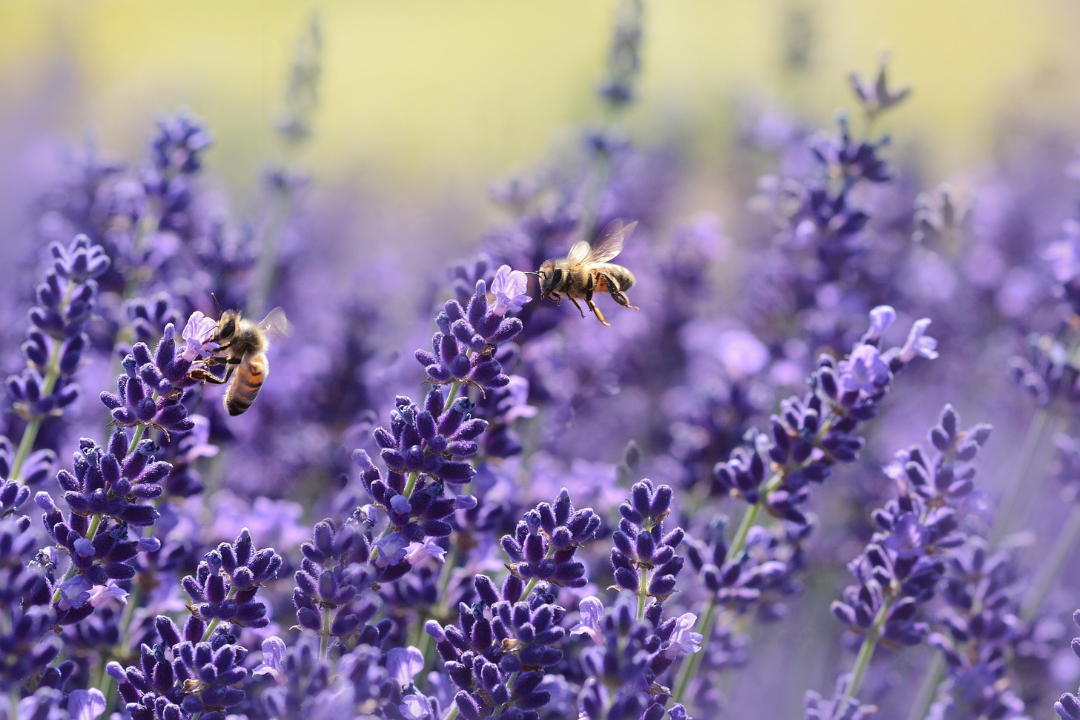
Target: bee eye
(556, 277)
(228, 330)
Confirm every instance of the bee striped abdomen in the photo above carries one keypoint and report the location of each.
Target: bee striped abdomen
(245, 386)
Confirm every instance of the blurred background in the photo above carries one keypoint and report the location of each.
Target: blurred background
(421, 107)
(430, 101)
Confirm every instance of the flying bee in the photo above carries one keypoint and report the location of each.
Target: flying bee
(242, 348)
(586, 270)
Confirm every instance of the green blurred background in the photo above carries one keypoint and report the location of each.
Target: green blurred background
(440, 96)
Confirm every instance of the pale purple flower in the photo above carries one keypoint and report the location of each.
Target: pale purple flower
(418, 552)
(273, 650)
(198, 333)
(518, 387)
(1064, 255)
(415, 707)
(391, 549)
(74, 592)
(103, 593)
(864, 370)
(509, 288)
(197, 443)
(881, 318)
(918, 344)
(683, 638)
(85, 704)
(404, 663)
(592, 613)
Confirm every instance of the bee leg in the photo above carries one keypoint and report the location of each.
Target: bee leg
(596, 311)
(201, 374)
(573, 300)
(557, 297)
(618, 295)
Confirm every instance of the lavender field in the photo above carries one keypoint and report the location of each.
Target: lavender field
(645, 432)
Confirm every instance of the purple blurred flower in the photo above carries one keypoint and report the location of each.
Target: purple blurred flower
(403, 664)
(85, 704)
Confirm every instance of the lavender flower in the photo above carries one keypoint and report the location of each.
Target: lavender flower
(467, 338)
(227, 582)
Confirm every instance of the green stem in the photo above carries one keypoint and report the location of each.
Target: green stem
(52, 375)
(1049, 571)
(324, 636)
(452, 713)
(266, 264)
(927, 688)
(91, 532)
(643, 592)
(1005, 518)
(866, 653)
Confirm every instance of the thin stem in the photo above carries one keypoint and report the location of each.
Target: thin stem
(1027, 456)
(1049, 571)
(52, 375)
(139, 432)
(324, 635)
(91, 532)
(452, 713)
(266, 264)
(927, 688)
(643, 592)
(866, 654)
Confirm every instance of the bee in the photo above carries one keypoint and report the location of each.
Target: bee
(586, 270)
(242, 348)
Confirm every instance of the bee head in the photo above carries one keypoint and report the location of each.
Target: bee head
(551, 277)
(227, 325)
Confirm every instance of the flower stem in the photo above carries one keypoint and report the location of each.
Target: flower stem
(91, 532)
(324, 635)
(452, 713)
(866, 653)
(643, 593)
(1049, 571)
(1006, 517)
(928, 686)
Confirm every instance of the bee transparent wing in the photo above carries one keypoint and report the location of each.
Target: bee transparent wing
(276, 325)
(610, 242)
(578, 252)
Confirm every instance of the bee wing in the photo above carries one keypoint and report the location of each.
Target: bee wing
(578, 252)
(276, 325)
(610, 242)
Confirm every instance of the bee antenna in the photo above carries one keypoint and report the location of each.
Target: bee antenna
(216, 303)
(531, 272)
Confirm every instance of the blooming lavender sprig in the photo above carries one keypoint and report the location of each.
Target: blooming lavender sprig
(643, 556)
(148, 317)
(1068, 705)
(149, 393)
(105, 495)
(226, 584)
(902, 566)
(977, 630)
(546, 541)
(773, 470)
(185, 675)
(55, 342)
(176, 151)
(498, 651)
(334, 596)
(467, 338)
(26, 645)
(628, 657)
